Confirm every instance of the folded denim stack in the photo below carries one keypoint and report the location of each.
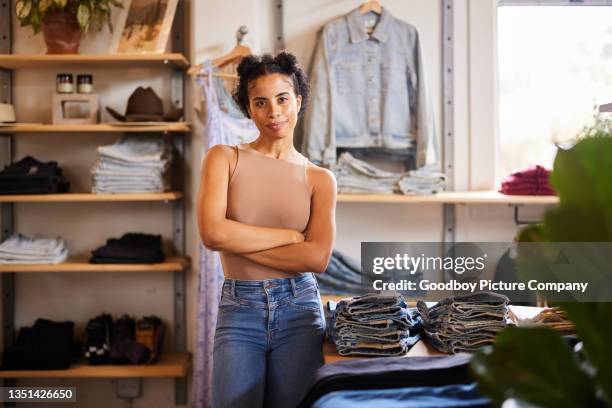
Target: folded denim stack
(464, 323)
(342, 276)
(552, 317)
(374, 325)
(356, 176)
(425, 180)
(131, 248)
(30, 176)
(133, 164)
(19, 249)
(532, 181)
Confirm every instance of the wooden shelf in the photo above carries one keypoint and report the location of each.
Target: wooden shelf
(177, 127)
(450, 197)
(168, 365)
(89, 197)
(45, 61)
(80, 265)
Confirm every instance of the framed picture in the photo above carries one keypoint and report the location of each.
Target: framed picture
(144, 26)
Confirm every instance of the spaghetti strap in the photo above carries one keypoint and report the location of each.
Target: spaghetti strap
(236, 166)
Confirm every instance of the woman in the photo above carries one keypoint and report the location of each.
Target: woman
(271, 214)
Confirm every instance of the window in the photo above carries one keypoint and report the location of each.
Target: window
(555, 66)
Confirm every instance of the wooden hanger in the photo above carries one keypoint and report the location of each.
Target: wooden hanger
(370, 6)
(234, 55)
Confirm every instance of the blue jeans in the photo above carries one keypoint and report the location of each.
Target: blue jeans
(268, 342)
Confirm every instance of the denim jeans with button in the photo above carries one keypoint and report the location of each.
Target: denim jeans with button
(268, 342)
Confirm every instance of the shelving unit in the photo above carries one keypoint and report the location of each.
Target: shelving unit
(179, 127)
(89, 197)
(44, 61)
(168, 366)
(450, 197)
(175, 364)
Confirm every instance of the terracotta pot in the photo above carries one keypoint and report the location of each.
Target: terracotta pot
(61, 32)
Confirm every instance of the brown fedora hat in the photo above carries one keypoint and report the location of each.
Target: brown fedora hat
(144, 105)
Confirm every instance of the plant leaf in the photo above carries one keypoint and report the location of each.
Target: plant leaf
(23, 9)
(534, 365)
(43, 5)
(61, 3)
(593, 325)
(83, 16)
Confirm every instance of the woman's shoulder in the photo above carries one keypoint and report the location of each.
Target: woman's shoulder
(320, 177)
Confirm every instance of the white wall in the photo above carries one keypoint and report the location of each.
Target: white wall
(79, 297)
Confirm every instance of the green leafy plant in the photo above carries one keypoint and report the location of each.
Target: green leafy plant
(536, 365)
(89, 13)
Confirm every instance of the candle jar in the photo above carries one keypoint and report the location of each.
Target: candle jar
(85, 84)
(64, 83)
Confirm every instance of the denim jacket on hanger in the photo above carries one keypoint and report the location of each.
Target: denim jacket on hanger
(368, 90)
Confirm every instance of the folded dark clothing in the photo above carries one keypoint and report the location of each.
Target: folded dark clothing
(388, 372)
(51, 185)
(527, 183)
(30, 167)
(33, 177)
(137, 247)
(47, 345)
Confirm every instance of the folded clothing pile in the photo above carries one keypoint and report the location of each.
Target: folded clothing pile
(342, 276)
(133, 164)
(464, 323)
(131, 248)
(552, 317)
(434, 381)
(19, 249)
(535, 180)
(355, 176)
(30, 176)
(123, 341)
(47, 345)
(374, 325)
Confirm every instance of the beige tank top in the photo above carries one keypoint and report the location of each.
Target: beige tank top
(266, 192)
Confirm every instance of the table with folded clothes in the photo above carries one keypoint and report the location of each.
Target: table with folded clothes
(31, 176)
(20, 249)
(135, 164)
(355, 176)
(131, 248)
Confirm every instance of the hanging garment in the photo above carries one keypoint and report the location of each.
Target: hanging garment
(224, 124)
(368, 90)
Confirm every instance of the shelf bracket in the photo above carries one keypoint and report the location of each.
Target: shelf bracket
(518, 221)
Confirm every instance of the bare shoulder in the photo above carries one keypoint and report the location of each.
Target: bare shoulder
(221, 151)
(321, 179)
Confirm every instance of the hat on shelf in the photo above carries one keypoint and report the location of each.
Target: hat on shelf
(145, 106)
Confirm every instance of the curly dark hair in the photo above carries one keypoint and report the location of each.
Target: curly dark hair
(252, 67)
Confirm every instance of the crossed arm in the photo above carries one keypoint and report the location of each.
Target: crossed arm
(279, 248)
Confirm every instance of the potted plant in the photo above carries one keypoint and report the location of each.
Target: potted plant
(63, 21)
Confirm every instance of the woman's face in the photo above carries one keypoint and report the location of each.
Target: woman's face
(273, 105)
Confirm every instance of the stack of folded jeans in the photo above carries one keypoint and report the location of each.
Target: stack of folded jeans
(342, 276)
(131, 248)
(30, 176)
(19, 249)
(133, 164)
(356, 176)
(532, 181)
(374, 325)
(464, 323)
